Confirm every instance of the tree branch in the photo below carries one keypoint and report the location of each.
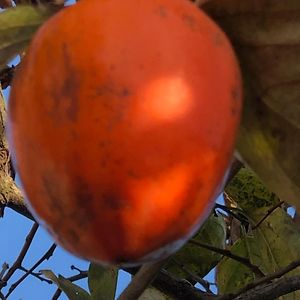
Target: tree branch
(233, 211)
(273, 290)
(141, 280)
(179, 289)
(267, 279)
(36, 275)
(6, 76)
(10, 194)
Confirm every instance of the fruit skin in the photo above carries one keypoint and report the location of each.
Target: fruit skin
(122, 120)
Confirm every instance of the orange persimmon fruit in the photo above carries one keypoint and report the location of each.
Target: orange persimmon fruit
(122, 122)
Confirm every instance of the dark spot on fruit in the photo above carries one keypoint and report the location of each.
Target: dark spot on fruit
(70, 87)
(234, 111)
(83, 199)
(71, 95)
(112, 201)
(112, 67)
(162, 11)
(53, 193)
(109, 89)
(125, 92)
(73, 236)
(103, 144)
(118, 161)
(235, 93)
(103, 163)
(190, 21)
(104, 89)
(133, 174)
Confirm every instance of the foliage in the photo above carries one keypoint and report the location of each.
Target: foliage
(266, 35)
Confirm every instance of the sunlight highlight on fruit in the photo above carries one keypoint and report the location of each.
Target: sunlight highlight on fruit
(165, 99)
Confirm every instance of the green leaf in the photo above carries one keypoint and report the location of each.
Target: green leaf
(231, 275)
(17, 26)
(272, 246)
(73, 291)
(266, 35)
(197, 260)
(102, 282)
(249, 192)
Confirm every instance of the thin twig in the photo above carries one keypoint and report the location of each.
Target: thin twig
(36, 275)
(18, 262)
(76, 269)
(243, 260)
(268, 278)
(141, 280)
(46, 256)
(269, 212)
(234, 212)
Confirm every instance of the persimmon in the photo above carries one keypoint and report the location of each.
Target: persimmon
(122, 122)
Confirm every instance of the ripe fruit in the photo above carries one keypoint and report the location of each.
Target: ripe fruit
(122, 122)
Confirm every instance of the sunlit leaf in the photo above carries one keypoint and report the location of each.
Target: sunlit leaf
(73, 291)
(102, 282)
(250, 193)
(198, 260)
(17, 26)
(266, 35)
